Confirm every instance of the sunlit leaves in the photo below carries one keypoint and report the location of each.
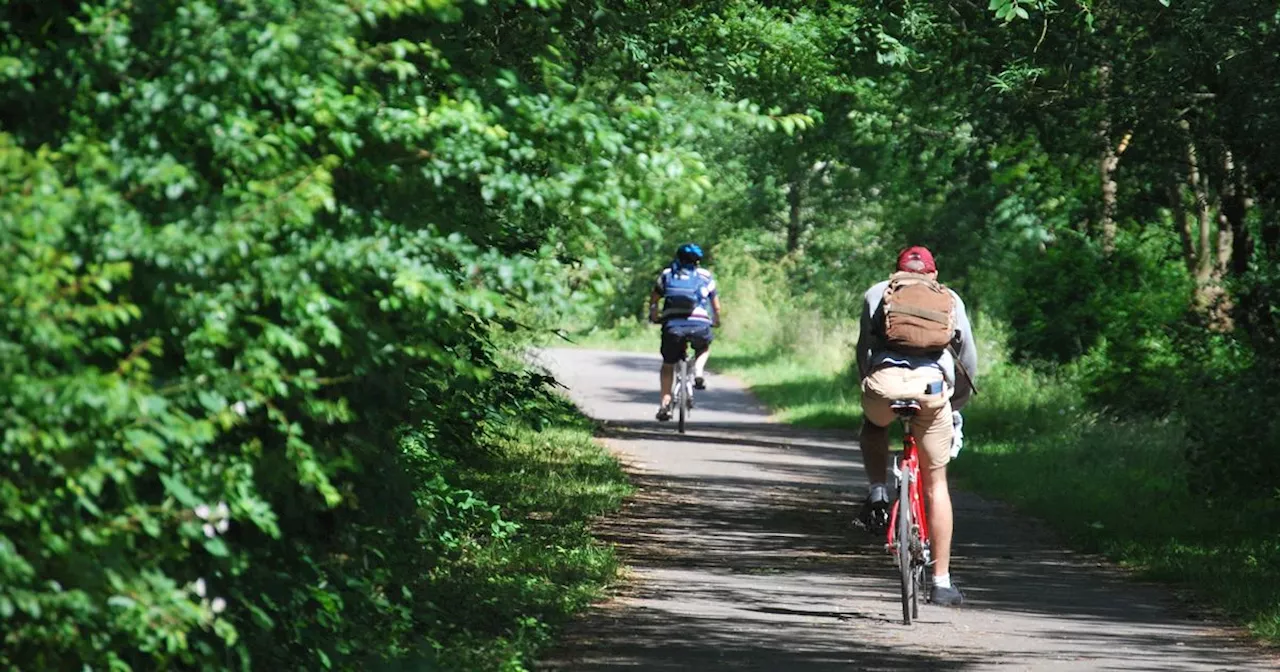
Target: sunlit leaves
(1008, 10)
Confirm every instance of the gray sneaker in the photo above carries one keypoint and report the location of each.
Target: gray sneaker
(947, 597)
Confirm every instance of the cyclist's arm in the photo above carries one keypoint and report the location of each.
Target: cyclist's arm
(967, 349)
(715, 307)
(655, 295)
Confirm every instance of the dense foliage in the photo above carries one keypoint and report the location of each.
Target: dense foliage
(266, 261)
(263, 263)
(1097, 176)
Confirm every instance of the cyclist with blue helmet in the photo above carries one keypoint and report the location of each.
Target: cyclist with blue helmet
(690, 308)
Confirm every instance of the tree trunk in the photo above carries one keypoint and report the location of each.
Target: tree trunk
(1211, 255)
(1110, 159)
(1270, 235)
(1254, 309)
(1202, 211)
(1237, 208)
(1264, 327)
(1183, 224)
(795, 201)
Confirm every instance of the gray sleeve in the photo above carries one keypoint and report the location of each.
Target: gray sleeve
(967, 348)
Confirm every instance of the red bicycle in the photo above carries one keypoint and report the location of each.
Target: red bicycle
(908, 534)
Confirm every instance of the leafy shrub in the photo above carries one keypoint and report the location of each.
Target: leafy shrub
(1118, 316)
(246, 243)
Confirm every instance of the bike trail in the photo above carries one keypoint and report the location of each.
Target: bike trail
(741, 557)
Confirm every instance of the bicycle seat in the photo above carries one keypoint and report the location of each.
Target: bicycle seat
(904, 407)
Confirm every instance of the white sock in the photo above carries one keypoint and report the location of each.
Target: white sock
(942, 580)
(878, 492)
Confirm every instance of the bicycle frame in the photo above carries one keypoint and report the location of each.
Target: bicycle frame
(908, 534)
(909, 468)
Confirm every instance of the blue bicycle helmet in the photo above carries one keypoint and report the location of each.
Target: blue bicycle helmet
(688, 254)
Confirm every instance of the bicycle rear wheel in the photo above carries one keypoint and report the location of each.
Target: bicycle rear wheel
(904, 548)
(681, 391)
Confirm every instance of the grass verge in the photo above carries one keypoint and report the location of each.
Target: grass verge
(507, 599)
(1112, 486)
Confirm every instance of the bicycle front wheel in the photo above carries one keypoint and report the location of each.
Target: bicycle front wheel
(904, 547)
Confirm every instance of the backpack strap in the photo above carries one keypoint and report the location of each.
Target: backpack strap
(961, 370)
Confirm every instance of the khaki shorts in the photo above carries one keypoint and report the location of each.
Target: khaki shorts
(931, 425)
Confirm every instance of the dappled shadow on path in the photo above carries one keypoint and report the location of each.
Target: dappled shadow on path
(654, 640)
(743, 557)
(732, 525)
(732, 576)
(738, 573)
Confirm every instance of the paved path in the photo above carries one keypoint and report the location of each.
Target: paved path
(742, 559)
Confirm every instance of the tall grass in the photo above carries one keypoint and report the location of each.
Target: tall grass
(1123, 488)
(1117, 486)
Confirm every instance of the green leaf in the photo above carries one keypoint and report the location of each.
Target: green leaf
(121, 602)
(260, 617)
(216, 547)
(179, 490)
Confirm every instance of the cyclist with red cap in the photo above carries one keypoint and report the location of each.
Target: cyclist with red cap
(915, 343)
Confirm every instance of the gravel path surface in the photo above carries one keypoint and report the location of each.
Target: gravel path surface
(742, 558)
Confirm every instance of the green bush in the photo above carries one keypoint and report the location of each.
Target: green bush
(245, 244)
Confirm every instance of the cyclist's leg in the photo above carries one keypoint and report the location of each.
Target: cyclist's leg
(874, 446)
(933, 431)
(700, 363)
(701, 340)
(874, 437)
(873, 441)
(666, 379)
(672, 350)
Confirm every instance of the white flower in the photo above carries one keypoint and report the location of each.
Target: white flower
(241, 409)
(222, 510)
(200, 587)
(209, 531)
(202, 512)
(222, 525)
(218, 605)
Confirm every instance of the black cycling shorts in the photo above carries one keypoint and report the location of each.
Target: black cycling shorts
(674, 337)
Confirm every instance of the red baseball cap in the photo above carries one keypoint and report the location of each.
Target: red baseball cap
(916, 259)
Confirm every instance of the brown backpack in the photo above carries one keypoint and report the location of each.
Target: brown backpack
(919, 315)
